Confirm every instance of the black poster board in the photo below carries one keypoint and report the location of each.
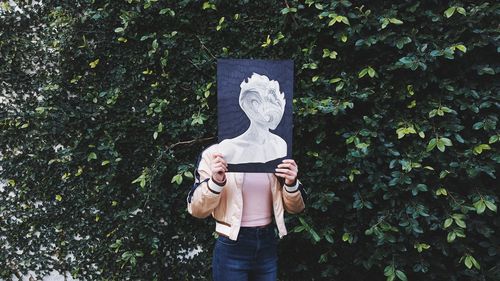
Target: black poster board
(255, 118)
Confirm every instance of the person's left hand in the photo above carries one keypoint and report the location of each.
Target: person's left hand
(288, 169)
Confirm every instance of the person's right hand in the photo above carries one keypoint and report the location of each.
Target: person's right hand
(219, 168)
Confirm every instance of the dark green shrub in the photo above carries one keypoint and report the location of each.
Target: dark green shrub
(106, 105)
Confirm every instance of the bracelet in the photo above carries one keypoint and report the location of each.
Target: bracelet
(292, 188)
(220, 183)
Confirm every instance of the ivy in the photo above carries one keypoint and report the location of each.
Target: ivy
(105, 106)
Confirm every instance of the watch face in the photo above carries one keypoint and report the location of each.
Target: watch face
(255, 115)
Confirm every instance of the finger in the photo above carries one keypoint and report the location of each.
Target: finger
(290, 174)
(220, 170)
(220, 166)
(287, 171)
(280, 175)
(221, 160)
(290, 166)
(217, 154)
(283, 171)
(285, 176)
(291, 161)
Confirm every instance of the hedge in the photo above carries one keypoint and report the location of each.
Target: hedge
(105, 106)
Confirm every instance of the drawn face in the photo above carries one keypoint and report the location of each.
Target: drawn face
(262, 101)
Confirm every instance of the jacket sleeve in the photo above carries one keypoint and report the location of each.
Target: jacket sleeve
(204, 195)
(294, 197)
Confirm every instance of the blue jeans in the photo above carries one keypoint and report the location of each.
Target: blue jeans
(252, 257)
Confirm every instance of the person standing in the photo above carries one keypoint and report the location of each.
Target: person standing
(244, 206)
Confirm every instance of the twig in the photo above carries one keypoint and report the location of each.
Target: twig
(189, 142)
(195, 65)
(293, 17)
(204, 47)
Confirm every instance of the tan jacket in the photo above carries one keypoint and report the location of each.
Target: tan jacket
(225, 203)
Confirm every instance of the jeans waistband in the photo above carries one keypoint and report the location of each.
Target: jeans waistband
(257, 229)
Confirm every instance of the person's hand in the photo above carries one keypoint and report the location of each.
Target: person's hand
(218, 166)
(288, 169)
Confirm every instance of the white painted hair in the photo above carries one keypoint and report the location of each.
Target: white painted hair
(268, 90)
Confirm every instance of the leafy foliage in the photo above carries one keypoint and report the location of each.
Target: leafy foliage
(106, 104)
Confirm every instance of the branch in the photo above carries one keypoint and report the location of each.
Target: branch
(189, 142)
(204, 47)
(293, 16)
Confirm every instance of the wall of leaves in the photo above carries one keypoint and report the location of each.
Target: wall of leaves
(104, 106)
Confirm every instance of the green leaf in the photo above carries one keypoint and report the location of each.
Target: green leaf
(369, 231)
(188, 174)
(478, 149)
(339, 86)
(480, 206)
(177, 179)
(440, 145)
(441, 191)
(449, 12)
(58, 197)
(431, 144)
(208, 5)
(167, 10)
(395, 21)
(94, 63)
(385, 22)
(389, 270)
(362, 72)
(371, 72)
(299, 228)
(468, 262)
(345, 237)
(141, 180)
(314, 235)
(475, 263)
(329, 238)
(401, 275)
(91, 156)
(451, 237)
(446, 141)
(460, 223)
(462, 48)
(421, 246)
(335, 80)
(491, 206)
(448, 222)
(345, 20)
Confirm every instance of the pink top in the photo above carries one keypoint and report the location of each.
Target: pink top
(257, 200)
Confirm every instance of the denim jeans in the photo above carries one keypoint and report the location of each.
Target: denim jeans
(252, 257)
